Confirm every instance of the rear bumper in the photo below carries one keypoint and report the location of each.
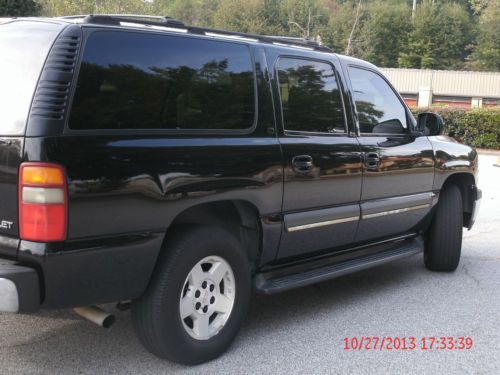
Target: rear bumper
(19, 288)
(92, 272)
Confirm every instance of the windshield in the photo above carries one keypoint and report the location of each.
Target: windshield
(24, 46)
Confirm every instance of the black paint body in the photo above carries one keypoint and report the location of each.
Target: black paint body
(126, 188)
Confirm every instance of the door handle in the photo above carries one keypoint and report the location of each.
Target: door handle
(372, 160)
(302, 163)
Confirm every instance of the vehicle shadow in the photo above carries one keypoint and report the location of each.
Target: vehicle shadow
(72, 345)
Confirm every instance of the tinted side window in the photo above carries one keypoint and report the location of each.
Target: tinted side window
(310, 96)
(146, 81)
(379, 109)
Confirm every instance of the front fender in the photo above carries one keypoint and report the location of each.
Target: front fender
(451, 158)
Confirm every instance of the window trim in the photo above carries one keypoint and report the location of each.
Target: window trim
(345, 133)
(89, 31)
(408, 115)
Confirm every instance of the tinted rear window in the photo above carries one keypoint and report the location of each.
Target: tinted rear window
(310, 96)
(24, 46)
(131, 80)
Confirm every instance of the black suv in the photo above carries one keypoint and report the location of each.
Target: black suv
(180, 168)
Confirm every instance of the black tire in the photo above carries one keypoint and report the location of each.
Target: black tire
(444, 242)
(156, 316)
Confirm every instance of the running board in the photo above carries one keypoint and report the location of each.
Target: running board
(269, 283)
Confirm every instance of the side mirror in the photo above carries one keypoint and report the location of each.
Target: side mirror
(430, 123)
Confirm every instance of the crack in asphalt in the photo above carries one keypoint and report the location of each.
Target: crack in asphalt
(470, 275)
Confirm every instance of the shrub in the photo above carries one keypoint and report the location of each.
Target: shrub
(476, 127)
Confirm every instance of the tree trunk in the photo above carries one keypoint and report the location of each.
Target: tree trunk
(348, 49)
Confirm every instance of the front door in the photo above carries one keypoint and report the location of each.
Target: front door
(398, 168)
(322, 160)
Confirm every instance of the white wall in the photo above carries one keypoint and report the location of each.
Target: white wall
(446, 82)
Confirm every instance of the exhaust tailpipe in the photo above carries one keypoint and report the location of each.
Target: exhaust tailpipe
(96, 315)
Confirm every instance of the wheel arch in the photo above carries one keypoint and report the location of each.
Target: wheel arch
(239, 217)
(467, 185)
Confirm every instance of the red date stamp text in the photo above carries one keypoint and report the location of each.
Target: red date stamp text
(387, 343)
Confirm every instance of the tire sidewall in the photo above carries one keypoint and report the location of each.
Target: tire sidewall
(444, 242)
(201, 243)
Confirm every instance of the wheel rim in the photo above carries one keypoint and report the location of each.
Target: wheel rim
(207, 297)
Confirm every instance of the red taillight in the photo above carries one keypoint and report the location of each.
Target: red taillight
(42, 202)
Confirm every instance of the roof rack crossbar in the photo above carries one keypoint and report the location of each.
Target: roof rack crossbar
(112, 19)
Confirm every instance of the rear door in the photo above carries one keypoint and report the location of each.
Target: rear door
(24, 46)
(322, 161)
(398, 168)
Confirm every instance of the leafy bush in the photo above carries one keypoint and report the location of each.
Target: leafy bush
(476, 127)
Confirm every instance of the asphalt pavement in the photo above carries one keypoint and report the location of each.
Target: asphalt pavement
(303, 331)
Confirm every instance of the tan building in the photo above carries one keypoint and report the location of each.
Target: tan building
(446, 87)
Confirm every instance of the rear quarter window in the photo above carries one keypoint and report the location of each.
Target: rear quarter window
(24, 46)
(133, 80)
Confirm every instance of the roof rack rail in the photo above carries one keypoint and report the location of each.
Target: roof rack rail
(117, 19)
(292, 40)
(125, 15)
(112, 19)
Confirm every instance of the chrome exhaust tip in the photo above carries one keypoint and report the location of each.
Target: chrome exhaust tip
(96, 315)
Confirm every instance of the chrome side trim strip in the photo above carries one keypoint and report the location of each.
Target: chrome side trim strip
(391, 212)
(322, 223)
(318, 224)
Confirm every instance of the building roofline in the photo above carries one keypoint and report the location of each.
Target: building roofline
(442, 70)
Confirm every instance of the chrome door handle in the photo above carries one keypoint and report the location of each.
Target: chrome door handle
(302, 163)
(372, 160)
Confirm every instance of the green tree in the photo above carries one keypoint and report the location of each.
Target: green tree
(285, 17)
(442, 34)
(241, 15)
(478, 6)
(440, 38)
(486, 55)
(56, 8)
(19, 8)
(192, 12)
(304, 18)
(340, 23)
(70, 7)
(384, 33)
(274, 18)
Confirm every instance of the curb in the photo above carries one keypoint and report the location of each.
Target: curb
(485, 151)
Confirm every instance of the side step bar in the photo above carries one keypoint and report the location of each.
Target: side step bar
(267, 284)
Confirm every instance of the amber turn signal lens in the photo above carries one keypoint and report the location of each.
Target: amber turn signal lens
(42, 175)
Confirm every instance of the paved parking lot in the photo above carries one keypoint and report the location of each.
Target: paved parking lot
(302, 331)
